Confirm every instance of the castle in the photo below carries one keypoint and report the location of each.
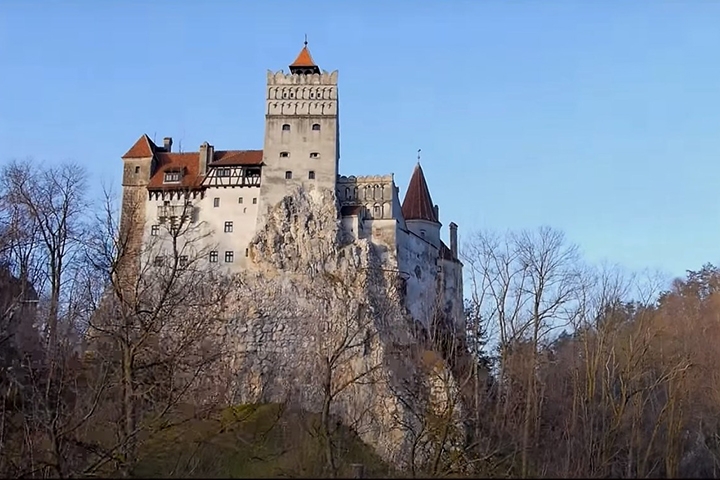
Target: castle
(230, 192)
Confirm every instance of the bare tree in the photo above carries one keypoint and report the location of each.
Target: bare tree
(163, 334)
(48, 205)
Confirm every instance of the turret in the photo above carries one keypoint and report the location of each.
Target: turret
(421, 215)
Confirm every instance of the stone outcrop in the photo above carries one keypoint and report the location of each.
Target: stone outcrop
(318, 315)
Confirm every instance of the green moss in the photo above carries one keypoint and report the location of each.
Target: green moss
(258, 440)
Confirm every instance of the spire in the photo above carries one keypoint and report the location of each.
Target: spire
(304, 63)
(418, 204)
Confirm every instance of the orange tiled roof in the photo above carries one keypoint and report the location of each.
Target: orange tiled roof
(237, 157)
(304, 59)
(189, 164)
(418, 204)
(144, 147)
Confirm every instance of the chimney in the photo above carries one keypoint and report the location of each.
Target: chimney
(453, 239)
(167, 143)
(203, 157)
(437, 212)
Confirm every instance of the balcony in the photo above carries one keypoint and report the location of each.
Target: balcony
(170, 212)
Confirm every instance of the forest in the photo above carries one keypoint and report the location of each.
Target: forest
(574, 370)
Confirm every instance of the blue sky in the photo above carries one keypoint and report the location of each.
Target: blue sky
(600, 118)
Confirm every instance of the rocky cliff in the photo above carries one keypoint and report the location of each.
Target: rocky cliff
(319, 322)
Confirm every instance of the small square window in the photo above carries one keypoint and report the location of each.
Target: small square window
(183, 260)
(228, 227)
(216, 202)
(311, 175)
(137, 169)
(255, 201)
(213, 256)
(154, 230)
(229, 257)
(284, 154)
(286, 127)
(314, 155)
(288, 175)
(240, 199)
(172, 177)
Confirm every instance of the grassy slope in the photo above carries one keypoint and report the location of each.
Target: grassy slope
(252, 441)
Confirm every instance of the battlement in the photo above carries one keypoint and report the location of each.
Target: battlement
(282, 78)
(370, 190)
(352, 179)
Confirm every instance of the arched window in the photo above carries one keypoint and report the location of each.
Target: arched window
(316, 126)
(288, 175)
(286, 127)
(314, 155)
(284, 154)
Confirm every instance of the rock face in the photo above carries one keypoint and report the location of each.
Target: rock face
(319, 322)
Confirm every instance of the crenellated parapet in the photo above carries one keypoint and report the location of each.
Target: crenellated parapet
(376, 192)
(302, 95)
(282, 78)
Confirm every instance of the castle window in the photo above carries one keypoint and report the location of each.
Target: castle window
(240, 199)
(286, 127)
(213, 256)
(254, 200)
(172, 177)
(284, 154)
(377, 211)
(314, 155)
(137, 169)
(284, 96)
(183, 261)
(229, 256)
(288, 175)
(247, 250)
(311, 175)
(245, 210)
(316, 126)
(228, 227)
(312, 95)
(154, 230)
(216, 202)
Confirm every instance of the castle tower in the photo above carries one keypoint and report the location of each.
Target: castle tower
(421, 215)
(301, 131)
(137, 170)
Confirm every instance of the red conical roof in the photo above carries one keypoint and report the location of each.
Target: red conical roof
(418, 204)
(304, 59)
(143, 148)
